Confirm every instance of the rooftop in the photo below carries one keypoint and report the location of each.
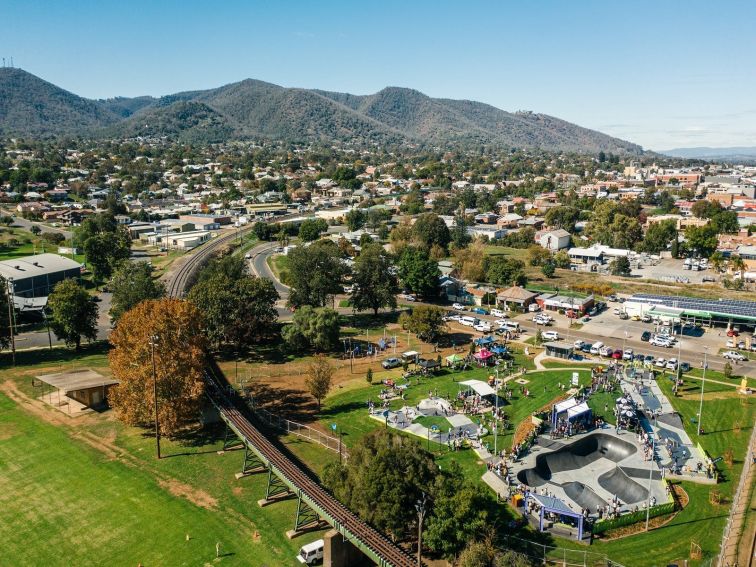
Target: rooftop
(37, 265)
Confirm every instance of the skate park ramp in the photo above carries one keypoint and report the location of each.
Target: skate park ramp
(622, 486)
(575, 456)
(583, 495)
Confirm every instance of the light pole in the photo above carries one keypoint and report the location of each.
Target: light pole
(703, 384)
(496, 413)
(650, 476)
(153, 342)
(11, 306)
(420, 506)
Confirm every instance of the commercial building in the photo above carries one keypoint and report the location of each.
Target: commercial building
(36, 276)
(693, 310)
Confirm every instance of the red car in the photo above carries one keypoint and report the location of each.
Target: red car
(732, 333)
(617, 355)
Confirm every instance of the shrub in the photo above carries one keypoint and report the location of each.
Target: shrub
(628, 519)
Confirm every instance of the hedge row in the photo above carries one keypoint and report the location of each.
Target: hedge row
(627, 519)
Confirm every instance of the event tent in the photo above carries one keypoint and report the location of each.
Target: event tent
(479, 387)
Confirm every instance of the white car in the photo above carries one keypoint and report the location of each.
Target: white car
(732, 355)
(730, 343)
(671, 364)
(660, 362)
(627, 354)
(500, 322)
(482, 326)
(578, 344)
(534, 307)
(550, 335)
(498, 313)
(538, 320)
(458, 307)
(452, 317)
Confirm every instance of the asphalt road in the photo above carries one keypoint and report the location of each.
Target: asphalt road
(27, 224)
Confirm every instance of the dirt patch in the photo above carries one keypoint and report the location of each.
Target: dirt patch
(194, 495)
(9, 430)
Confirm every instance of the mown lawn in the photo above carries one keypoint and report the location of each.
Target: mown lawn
(63, 502)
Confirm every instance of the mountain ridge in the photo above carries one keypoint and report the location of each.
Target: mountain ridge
(247, 109)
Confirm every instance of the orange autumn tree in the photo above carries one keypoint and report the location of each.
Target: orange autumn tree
(179, 364)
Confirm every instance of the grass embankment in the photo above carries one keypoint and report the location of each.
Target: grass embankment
(279, 265)
(88, 490)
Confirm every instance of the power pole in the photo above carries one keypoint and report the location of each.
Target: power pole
(153, 341)
(10, 320)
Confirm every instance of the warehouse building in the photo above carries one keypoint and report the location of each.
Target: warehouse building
(36, 276)
(693, 310)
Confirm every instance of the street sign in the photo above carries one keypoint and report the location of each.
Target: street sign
(333, 426)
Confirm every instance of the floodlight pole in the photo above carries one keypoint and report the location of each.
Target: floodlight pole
(153, 341)
(10, 319)
(703, 384)
(420, 506)
(650, 476)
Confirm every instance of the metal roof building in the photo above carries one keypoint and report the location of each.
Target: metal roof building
(695, 309)
(35, 276)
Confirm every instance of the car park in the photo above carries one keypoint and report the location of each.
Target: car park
(732, 355)
(392, 362)
(550, 335)
(458, 307)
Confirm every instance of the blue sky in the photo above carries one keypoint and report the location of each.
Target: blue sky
(660, 73)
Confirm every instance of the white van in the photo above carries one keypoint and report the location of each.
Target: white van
(596, 347)
(468, 321)
(310, 553)
(511, 326)
(498, 313)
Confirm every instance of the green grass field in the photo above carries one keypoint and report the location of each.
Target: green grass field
(65, 502)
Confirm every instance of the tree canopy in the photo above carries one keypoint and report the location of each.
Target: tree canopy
(430, 229)
(311, 229)
(176, 326)
(73, 313)
(425, 321)
(316, 273)
(375, 285)
(419, 272)
(312, 328)
(106, 244)
(132, 283)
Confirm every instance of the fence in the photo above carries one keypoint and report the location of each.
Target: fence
(561, 556)
(300, 430)
(737, 511)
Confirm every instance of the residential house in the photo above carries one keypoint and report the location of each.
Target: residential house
(553, 239)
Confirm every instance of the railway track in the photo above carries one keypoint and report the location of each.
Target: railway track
(176, 285)
(378, 546)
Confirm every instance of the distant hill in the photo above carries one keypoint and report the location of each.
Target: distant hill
(737, 153)
(30, 106)
(256, 109)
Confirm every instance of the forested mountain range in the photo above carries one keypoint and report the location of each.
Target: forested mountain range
(252, 109)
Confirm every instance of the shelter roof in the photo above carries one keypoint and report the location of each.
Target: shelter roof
(77, 380)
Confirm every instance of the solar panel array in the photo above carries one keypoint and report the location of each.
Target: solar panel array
(732, 307)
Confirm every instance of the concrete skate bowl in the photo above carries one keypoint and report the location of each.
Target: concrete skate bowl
(580, 454)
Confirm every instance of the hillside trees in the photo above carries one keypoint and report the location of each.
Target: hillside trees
(375, 285)
(175, 327)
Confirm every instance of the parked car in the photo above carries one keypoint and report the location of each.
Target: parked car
(479, 311)
(684, 367)
(498, 313)
(550, 335)
(616, 311)
(606, 351)
(639, 357)
(732, 333)
(538, 320)
(660, 362)
(732, 355)
(730, 343)
(452, 317)
(645, 336)
(534, 307)
(458, 307)
(311, 553)
(612, 298)
(578, 344)
(408, 297)
(392, 362)
(617, 355)
(628, 354)
(586, 348)
(646, 318)
(483, 327)
(500, 322)
(741, 345)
